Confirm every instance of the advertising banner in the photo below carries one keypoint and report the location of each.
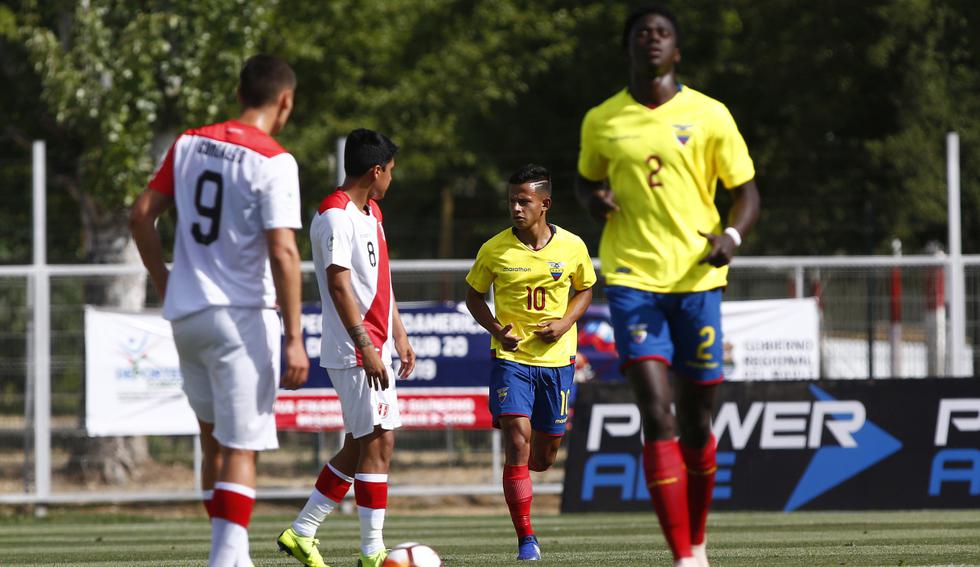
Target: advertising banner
(132, 376)
(827, 445)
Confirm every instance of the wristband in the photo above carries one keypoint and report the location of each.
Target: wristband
(735, 236)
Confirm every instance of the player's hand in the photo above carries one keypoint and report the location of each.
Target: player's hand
(507, 340)
(374, 369)
(551, 331)
(297, 364)
(602, 204)
(722, 249)
(407, 356)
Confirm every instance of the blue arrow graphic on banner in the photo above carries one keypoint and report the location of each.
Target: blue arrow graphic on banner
(831, 466)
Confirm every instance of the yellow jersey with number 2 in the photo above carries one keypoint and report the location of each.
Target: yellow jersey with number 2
(663, 165)
(531, 287)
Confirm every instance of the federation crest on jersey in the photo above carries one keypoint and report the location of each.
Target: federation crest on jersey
(683, 132)
(556, 269)
(501, 394)
(638, 332)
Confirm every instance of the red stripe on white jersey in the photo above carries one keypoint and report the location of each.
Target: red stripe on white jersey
(336, 200)
(377, 317)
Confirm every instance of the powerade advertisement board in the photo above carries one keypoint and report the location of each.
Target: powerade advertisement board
(815, 445)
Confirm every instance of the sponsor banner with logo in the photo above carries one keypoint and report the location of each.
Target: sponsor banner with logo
(132, 376)
(826, 445)
(421, 408)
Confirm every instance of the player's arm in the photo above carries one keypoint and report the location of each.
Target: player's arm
(480, 311)
(142, 224)
(342, 294)
(284, 261)
(551, 331)
(404, 348)
(596, 197)
(742, 217)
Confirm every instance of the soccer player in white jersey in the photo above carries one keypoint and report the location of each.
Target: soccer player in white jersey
(235, 259)
(361, 327)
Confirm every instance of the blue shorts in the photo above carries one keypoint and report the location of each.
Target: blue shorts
(539, 393)
(682, 330)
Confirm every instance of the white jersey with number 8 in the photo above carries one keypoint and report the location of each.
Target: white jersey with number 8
(345, 236)
(230, 182)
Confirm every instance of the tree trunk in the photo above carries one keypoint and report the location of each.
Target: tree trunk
(110, 460)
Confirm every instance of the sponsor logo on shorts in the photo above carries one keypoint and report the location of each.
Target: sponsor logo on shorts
(561, 420)
(556, 269)
(638, 332)
(501, 394)
(383, 409)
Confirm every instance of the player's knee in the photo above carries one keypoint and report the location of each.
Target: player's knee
(659, 423)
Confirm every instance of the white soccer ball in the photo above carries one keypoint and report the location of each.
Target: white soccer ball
(412, 554)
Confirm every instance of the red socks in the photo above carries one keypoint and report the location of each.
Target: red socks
(517, 493)
(667, 482)
(701, 467)
(331, 485)
(233, 502)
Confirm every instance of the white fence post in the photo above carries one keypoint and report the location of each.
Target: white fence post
(957, 286)
(42, 335)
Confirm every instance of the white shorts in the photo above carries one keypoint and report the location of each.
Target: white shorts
(363, 406)
(229, 358)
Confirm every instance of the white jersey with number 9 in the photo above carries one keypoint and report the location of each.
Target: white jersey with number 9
(230, 182)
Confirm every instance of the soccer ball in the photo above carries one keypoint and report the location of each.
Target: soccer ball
(412, 554)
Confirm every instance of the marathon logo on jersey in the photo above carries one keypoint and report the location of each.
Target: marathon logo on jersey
(383, 409)
(556, 269)
(638, 332)
(516, 269)
(683, 132)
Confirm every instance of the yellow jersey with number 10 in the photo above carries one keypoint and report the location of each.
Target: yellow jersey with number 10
(531, 287)
(663, 165)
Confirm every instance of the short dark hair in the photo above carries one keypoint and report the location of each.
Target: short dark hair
(262, 78)
(365, 149)
(647, 10)
(530, 173)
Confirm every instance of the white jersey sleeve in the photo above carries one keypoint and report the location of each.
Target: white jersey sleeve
(278, 189)
(336, 239)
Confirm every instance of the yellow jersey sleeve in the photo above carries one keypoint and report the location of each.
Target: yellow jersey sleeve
(734, 165)
(584, 275)
(592, 165)
(480, 276)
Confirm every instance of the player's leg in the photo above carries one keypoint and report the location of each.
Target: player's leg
(244, 367)
(698, 365)
(645, 347)
(210, 464)
(370, 416)
(552, 392)
(197, 388)
(331, 487)
(511, 406)
(371, 492)
(695, 405)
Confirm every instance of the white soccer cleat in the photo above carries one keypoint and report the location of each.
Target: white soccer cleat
(686, 562)
(701, 554)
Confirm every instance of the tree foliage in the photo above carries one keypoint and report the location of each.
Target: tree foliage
(845, 105)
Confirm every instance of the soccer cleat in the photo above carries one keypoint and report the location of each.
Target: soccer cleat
(304, 549)
(373, 560)
(700, 553)
(528, 550)
(686, 562)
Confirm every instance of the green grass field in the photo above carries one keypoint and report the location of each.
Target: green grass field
(750, 539)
